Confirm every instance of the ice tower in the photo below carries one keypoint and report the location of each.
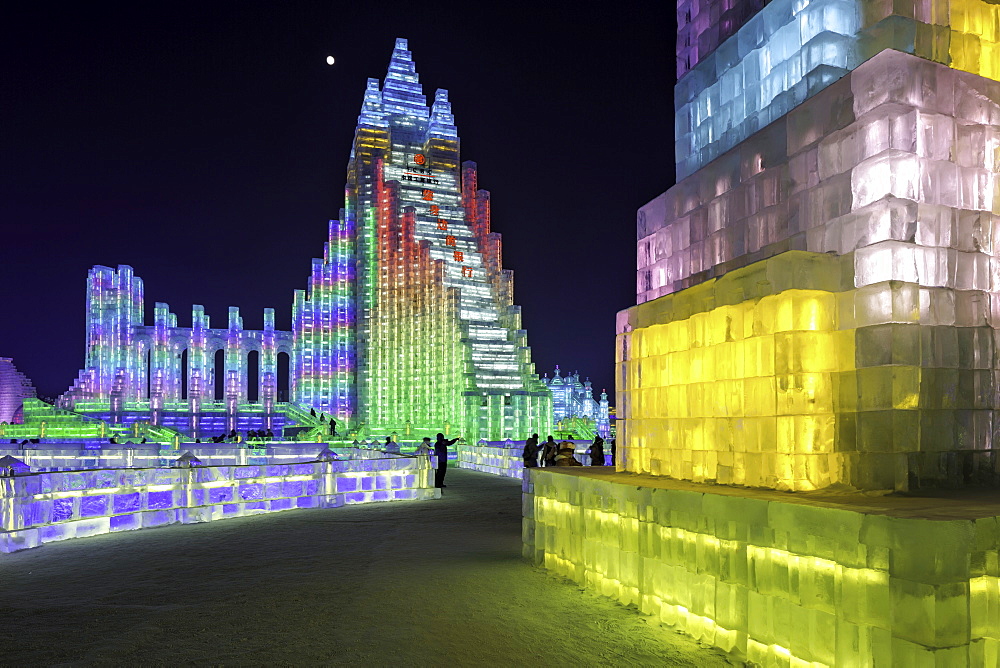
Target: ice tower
(408, 323)
(819, 292)
(817, 314)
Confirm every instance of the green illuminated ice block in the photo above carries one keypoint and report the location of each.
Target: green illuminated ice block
(781, 579)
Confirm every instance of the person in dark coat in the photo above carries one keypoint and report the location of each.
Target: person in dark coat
(597, 452)
(441, 452)
(530, 453)
(549, 451)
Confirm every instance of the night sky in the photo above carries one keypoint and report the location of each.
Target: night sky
(205, 145)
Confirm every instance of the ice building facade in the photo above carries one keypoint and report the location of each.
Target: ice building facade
(817, 308)
(14, 389)
(818, 303)
(742, 65)
(407, 324)
(573, 398)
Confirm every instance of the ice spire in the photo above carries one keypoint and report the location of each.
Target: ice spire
(402, 93)
(371, 108)
(442, 123)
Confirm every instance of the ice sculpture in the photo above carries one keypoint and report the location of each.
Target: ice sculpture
(425, 334)
(891, 175)
(573, 398)
(817, 306)
(407, 324)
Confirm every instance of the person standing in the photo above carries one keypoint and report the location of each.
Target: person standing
(597, 451)
(424, 448)
(530, 453)
(549, 451)
(441, 452)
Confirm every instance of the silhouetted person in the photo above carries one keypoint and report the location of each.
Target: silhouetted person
(441, 452)
(614, 460)
(530, 453)
(391, 445)
(597, 452)
(333, 427)
(234, 437)
(549, 451)
(312, 411)
(270, 434)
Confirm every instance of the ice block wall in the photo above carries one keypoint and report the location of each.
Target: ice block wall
(323, 322)
(44, 507)
(898, 157)
(790, 50)
(779, 579)
(883, 380)
(784, 375)
(497, 458)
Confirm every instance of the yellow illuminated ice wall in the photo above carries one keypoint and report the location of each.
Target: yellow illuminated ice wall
(817, 305)
(780, 579)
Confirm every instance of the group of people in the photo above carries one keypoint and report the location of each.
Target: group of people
(322, 419)
(551, 453)
(235, 437)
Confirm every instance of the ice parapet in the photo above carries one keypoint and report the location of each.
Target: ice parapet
(38, 508)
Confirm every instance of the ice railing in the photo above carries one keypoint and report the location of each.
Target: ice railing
(72, 456)
(504, 458)
(37, 508)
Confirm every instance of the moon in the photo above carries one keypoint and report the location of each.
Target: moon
(330, 60)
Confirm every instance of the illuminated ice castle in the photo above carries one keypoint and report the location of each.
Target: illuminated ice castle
(574, 398)
(818, 312)
(407, 324)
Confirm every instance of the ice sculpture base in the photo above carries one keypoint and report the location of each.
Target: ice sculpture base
(781, 578)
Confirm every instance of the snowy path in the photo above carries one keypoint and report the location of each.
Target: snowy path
(432, 583)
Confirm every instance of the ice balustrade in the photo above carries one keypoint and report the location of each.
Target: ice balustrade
(48, 456)
(792, 49)
(38, 508)
(780, 579)
(898, 162)
(504, 458)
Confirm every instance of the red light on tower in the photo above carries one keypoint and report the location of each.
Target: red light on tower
(419, 158)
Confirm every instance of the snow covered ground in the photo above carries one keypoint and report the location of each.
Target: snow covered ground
(407, 583)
